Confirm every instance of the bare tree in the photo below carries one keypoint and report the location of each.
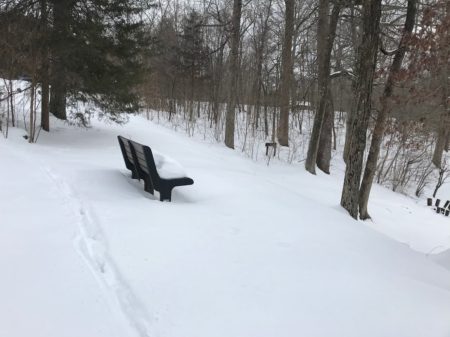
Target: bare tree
(367, 60)
(234, 68)
(323, 60)
(45, 86)
(380, 125)
(324, 148)
(286, 75)
(444, 127)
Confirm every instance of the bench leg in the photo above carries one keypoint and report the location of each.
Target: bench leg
(165, 194)
(134, 175)
(148, 186)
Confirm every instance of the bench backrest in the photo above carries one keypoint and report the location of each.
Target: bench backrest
(126, 153)
(144, 157)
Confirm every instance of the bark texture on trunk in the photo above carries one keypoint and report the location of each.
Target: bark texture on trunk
(326, 134)
(258, 84)
(441, 142)
(286, 75)
(234, 65)
(447, 142)
(356, 42)
(45, 120)
(322, 83)
(367, 59)
(444, 127)
(380, 124)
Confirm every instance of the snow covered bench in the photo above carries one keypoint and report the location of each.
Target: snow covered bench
(159, 173)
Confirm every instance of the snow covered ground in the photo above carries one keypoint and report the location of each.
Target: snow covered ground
(249, 250)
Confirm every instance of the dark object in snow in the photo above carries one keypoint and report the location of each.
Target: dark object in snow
(445, 209)
(274, 145)
(139, 160)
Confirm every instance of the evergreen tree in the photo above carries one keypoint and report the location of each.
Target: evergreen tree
(97, 49)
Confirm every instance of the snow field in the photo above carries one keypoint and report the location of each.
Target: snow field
(248, 250)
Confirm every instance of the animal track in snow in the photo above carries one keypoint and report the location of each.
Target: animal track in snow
(91, 245)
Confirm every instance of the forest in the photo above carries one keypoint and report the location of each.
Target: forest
(224, 168)
(368, 80)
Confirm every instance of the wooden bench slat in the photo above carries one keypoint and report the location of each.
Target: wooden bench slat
(127, 157)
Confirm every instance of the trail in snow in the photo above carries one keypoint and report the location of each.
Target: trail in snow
(91, 245)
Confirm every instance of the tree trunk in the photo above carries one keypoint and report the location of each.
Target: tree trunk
(367, 60)
(191, 94)
(444, 126)
(12, 104)
(441, 142)
(31, 127)
(447, 143)
(61, 18)
(45, 120)
(326, 136)
(323, 160)
(323, 30)
(286, 75)
(380, 125)
(258, 84)
(234, 65)
(355, 41)
(217, 80)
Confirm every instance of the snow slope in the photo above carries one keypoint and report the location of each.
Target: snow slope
(248, 250)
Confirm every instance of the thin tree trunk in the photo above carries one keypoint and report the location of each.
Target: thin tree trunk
(234, 65)
(217, 79)
(266, 117)
(367, 60)
(326, 136)
(441, 142)
(258, 85)
(32, 112)
(61, 15)
(323, 160)
(447, 142)
(444, 132)
(286, 75)
(45, 120)
(349, 119)
(191, 94)
(11, 103)
(323, 30)
(380, 125)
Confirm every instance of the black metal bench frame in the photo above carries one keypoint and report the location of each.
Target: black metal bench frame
(437, 202)
(139, 160)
